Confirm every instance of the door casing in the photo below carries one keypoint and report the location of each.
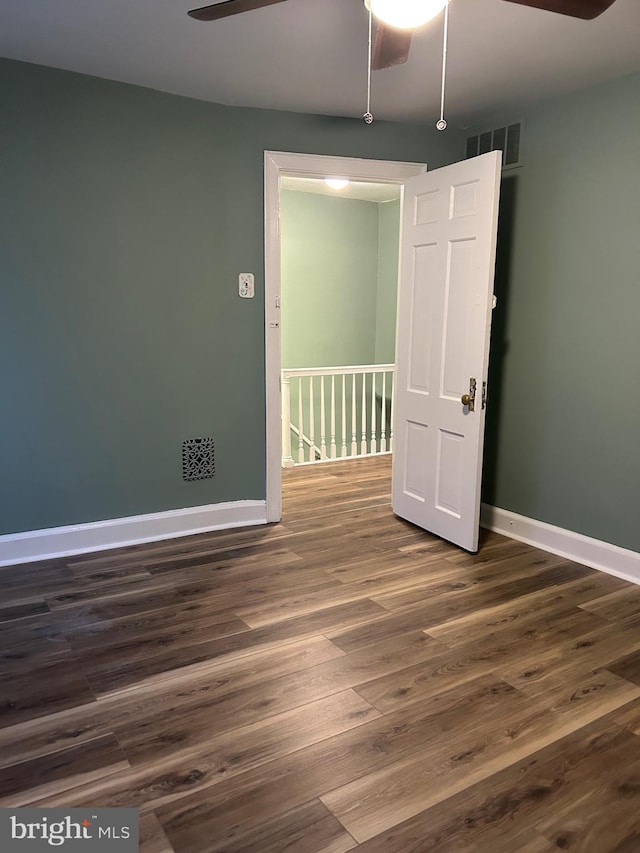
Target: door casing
(277, 164)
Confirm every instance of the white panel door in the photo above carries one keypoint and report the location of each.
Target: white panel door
(447, 259)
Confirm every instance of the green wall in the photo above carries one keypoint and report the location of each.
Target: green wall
(125, 218)
(387, 296)
(564, 413)
(329, 280)
(339, 280)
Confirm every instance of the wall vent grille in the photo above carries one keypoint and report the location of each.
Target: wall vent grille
(198, 459)
(507, 139)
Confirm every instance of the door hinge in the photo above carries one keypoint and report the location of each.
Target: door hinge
(484, 395)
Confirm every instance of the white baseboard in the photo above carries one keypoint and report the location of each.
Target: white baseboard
(600, 555)
(121, 532)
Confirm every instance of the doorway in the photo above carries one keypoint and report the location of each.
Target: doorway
(340, 245)
(279, 165)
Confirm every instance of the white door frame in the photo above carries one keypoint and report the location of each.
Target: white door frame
(277, 164)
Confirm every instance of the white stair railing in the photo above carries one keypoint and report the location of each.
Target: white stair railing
(357, 419)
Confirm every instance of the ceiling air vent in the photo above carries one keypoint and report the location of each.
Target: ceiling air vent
(507, 139)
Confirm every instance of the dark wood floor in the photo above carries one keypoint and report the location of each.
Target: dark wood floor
(339, 681)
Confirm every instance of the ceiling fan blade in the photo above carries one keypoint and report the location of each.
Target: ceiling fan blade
(586, 9)
(391, 47)
(229, 7)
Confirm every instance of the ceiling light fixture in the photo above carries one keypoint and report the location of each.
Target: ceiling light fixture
(406, 14)
(336, 183)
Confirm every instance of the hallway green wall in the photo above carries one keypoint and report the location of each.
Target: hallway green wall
(329, 279)
(387, 295)
(339, 280)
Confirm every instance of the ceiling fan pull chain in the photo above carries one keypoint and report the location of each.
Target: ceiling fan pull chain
(442, 124)
(368, 116)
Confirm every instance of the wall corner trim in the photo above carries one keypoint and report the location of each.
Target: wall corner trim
(612, 559)
(74, 539)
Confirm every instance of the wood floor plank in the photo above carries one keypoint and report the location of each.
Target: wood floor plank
(496, 549)
(515, 650)
(377, 801)
(117, 675)
(31, 630)
(476, 594)
(529, 607)
(309, 828)
(528, 842)
(24, 783)
(370, 566)
(291, 605)
(170, 696)
(29, 581)
(606, 820)
(123, 632)
(203, 765)
(384, 626)
(41, 692)
(293, 729)
(45, 654)
(151, 835)
(141, 649)
(316, 515)
(218, 590)
(219, 713)
(134, 556)
(627, 667)
(490, 816)
(73, 592)
(616, 605)
(629, 717)
(597, 648)
(21, 610)
(244, 802)
(424, 544)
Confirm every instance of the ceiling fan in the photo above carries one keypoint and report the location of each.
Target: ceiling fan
(391, 44)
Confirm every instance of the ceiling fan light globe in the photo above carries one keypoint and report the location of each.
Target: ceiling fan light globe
(406, 14)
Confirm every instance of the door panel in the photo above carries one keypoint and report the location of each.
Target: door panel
(444, 317)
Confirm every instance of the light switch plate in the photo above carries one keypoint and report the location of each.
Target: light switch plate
(246, 285)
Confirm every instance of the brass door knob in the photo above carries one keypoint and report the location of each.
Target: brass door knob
(466, 399)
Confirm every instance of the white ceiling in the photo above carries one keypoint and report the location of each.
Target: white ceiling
(310, 55)
(360, 190)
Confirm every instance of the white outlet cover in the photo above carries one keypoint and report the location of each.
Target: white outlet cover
(246, 285)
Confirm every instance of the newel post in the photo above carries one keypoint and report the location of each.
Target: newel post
(285, 387)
